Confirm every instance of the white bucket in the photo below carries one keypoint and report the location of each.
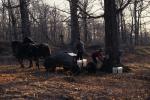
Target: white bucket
(84, 62)
(115, 70)
(120, 69)
(79, 63)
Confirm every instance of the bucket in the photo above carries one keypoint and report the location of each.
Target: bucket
(79, 63)
(82, 62)
(114, 70)
(120, 69)
(117, 70)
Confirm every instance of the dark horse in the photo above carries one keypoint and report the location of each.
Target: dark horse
(29, 51)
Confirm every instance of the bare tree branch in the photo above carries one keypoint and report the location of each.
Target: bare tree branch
(124, 6)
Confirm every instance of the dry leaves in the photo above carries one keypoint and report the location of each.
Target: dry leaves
(24, 84)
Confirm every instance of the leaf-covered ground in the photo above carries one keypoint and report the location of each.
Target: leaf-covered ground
(28, 84)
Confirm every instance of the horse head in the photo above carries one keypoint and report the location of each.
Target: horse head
(28, 40)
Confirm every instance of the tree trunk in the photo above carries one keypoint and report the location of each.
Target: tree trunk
(85, 31)
(74, 22)
(111, 34)
(123, 33)
(13, 21)
(25, 18)
(3, 23)
(131, 32)
(84, 6)
(136, 23)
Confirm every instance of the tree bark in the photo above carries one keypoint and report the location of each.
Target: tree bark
(111, 33)
(25, 18)
(74, 22)
(13, 21)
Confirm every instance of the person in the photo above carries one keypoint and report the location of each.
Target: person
(80, 49)
(97, 55)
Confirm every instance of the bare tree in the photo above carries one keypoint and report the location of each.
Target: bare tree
(112, 44)
(47, 22)
(85, 6)
(74, 21)
(25, 18)
(111, 32)
(136, 9)
(13, 20)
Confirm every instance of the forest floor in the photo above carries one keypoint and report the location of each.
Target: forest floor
(27, 84)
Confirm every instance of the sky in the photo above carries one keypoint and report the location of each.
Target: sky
(64, 5)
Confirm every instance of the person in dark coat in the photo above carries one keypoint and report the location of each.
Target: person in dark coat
(80, 49)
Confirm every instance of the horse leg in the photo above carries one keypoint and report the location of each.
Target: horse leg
(21, 63)
(31, 63)
(37, 63)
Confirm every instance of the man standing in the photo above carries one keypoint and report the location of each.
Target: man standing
(80, 49)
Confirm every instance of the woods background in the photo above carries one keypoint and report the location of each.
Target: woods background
(122, 24)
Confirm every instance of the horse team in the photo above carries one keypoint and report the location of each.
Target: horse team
(31, 51)
(28, 50)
